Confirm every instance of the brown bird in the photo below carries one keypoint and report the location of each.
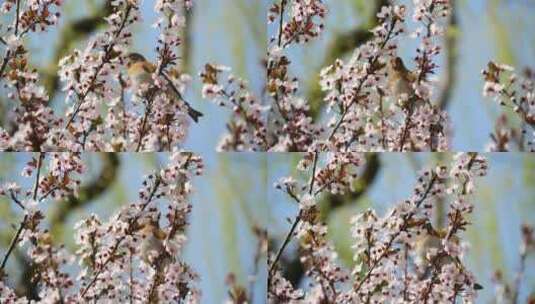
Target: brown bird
(140, 72)
(152, 244)
(400, 81)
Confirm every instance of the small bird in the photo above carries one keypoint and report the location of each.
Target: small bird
(433, 241)
(152, 244)
(400, 81)
(140, 73)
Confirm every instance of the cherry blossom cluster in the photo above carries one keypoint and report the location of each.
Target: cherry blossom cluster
(59, 179)
(124, 261)
(32, 119)
(400, 257)
(247, 129)
(90, 77)
(281, 290)
(428, 14)
(30, 16)
(7, 295)
(134, 256)
(305, 20)
(102, 115)
(517, 93)
(291, 127)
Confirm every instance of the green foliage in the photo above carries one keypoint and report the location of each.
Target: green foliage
(491, 229)
(498, 29)
(527, 205)
(7, 215)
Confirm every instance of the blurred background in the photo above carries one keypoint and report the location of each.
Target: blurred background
(227, 32)
(226, 208)
(481, 30)
(503, 200)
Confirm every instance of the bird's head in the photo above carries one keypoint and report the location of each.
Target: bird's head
(397, 64)
(134, 58)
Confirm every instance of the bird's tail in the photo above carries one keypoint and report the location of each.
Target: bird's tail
(194, 114)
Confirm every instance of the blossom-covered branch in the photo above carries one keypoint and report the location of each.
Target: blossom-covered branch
(60, 180)
(373, 102)
(100, 117)
(400, 257)
(517, 93)
(33, 119)
(335, 175)
(247, 129)
(132, 256)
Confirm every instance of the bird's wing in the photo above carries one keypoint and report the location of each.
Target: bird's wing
(411, 76)
(159, 234)
(149, 68)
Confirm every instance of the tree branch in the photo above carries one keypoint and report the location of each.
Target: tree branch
(15, 239)
(340, 45)
(293, 269)
(71, 33)
(89, 192)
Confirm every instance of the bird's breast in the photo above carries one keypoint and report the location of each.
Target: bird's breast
(139, 76)
(399, 86)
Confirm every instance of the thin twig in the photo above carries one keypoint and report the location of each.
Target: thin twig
(14, 242)
(17, 17)
(284, 244)
(131, 280)
(5, 62)
(44, 196)
(406, 273)
(36, 186)
(148, 112)
(406, 126)
(281, 22)
(313, 178)
(15, 239)
(16, 200)
(297, 218)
